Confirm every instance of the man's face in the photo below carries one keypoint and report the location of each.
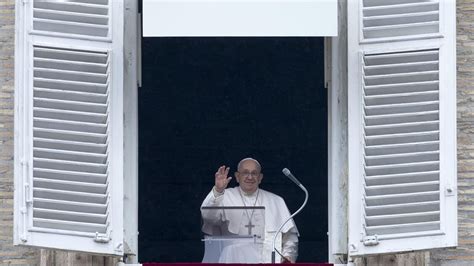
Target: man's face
(249, 176)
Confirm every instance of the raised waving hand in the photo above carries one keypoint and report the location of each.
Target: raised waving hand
(222, 178)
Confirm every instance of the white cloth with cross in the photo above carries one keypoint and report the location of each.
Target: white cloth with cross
(276, 212)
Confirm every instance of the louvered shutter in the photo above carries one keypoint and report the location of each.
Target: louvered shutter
(69, 125)
(402, 126)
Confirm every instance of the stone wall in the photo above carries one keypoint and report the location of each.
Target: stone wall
(464, 253)
(9, 255)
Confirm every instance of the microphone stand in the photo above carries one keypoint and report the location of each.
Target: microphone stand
(291, 216)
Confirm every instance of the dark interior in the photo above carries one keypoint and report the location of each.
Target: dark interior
(212, 101)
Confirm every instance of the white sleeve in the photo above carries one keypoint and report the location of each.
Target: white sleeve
(289, 242)
(214, 198)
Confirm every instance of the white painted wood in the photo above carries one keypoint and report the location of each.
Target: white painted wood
(402, 132)
(131, 131)
(239, 18)
(69, 126)
(337, 141)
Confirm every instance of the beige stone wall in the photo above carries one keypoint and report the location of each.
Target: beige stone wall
(9, 255)
(463, 255)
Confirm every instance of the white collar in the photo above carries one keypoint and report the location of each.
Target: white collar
(250, 195)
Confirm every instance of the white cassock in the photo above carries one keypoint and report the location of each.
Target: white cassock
(276, 213)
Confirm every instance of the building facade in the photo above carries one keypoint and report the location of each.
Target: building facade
(462, 255)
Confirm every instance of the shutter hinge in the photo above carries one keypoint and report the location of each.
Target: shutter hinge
(25, 2)
(28, 199)
(370, 240)
(26, 203)
(101, 238)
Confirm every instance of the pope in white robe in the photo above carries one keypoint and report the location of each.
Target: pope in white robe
(247, 222)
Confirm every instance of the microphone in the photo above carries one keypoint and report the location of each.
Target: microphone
(287, 172)
(298, 183)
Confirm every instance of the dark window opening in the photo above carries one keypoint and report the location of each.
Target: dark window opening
(212, 101)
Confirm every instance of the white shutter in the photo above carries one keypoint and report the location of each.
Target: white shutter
(69, 125)
(402, 126)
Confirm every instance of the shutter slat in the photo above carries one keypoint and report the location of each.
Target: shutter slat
(70, 206)
(70, 226)
(69, 195)
(403, 208)
(69, 115)
(69, 175)
(402, 168)
(70, 85)
(86, 97)
(402, 198)
(70, 16)
(72, 156)
(401, 88)
(405, 18)
(70, 65)
(70, 135)
(402, 228)
(70, 27)
(69, 216)
(402, 118)
(76, 126)
(76, 7)
(69, 185)
(402, 128)
(69, 145)
(70, 75)
(400, 58)
(401, 148)
(70, 125)
(70, 105)
(402, 178)
(402, 108)
(411, 137)
(391, 159)
(385, 99)
(401, 67)
(401, 78)
(70, 55)
(405, 218)
(94, 168)
(370, 3)
(416, 7)
(399, 188)
(407, 29)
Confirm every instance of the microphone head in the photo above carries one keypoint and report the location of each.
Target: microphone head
(286, 171)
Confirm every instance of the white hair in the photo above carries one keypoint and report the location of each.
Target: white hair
(249, 159)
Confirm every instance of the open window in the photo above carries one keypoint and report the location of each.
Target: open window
(402, 126)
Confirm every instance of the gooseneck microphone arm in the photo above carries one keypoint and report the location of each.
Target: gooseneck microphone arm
(298, 183)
